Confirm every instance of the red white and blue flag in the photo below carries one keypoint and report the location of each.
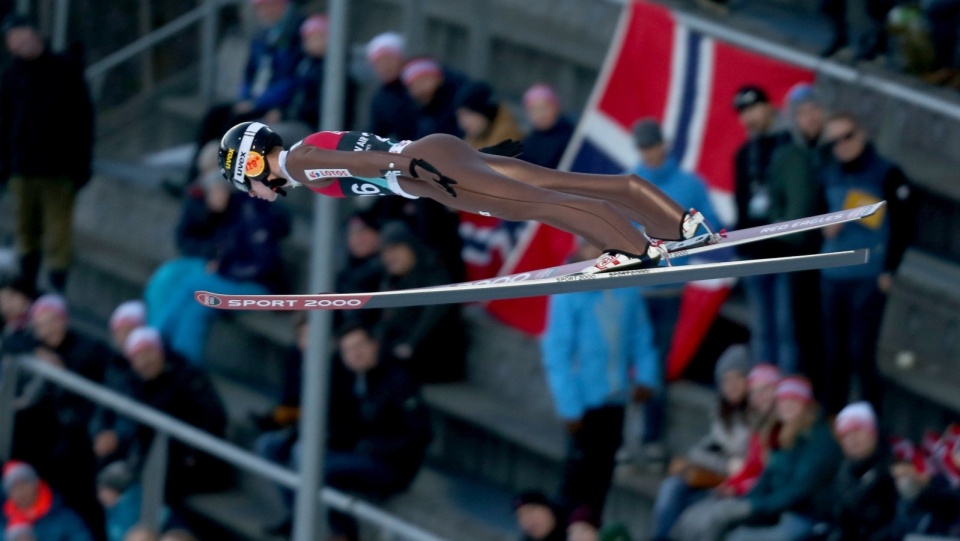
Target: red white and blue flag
(655, 67)
(659, 67)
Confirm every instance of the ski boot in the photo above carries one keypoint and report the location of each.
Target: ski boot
(617, 260)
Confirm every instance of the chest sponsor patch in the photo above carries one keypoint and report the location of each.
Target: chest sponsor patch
(315, 174)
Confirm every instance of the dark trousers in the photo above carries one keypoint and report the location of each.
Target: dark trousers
(44, 223)
(591, 457)
(852, 313)
(944, 20)
(664, 311)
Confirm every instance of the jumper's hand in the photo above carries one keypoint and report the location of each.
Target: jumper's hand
(441, 179)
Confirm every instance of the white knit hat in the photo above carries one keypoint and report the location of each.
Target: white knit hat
(130, 312)
(856, 416)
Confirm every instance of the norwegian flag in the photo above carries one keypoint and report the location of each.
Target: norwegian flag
(494, 247)
(658, 67)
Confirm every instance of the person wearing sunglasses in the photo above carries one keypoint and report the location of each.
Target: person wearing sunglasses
(853, 298)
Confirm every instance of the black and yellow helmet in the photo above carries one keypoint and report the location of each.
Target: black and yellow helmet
(243, 153)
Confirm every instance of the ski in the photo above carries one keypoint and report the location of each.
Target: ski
(530, 287)
(707, 243)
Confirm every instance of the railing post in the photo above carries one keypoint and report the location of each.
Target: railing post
(153, 479)
(9, 372)
(61, 12)
(208, 48)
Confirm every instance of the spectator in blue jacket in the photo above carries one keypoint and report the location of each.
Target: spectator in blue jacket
(598, 354)
(230, 243)
(550, 129)
(853, 297)
(29, 500)
(663, 303)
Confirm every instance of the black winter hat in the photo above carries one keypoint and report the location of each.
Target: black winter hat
(531, 497)
(749, 95)
(478, 97)
(15, 20)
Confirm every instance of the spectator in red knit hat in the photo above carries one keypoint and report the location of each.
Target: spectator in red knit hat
(550, 129)
(928, 503)
(112, 433)
(865, 497)
(434, 89)
(788, 496)
(31, 501)
(392, 111)
(167, 382)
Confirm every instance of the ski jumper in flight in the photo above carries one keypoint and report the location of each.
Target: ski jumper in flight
(599, 208)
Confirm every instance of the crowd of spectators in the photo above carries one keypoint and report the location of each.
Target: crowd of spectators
(786, 441)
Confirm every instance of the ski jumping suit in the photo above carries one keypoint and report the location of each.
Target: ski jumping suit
(599, 208)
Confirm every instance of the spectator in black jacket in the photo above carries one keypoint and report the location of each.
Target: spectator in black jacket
(231, 243)
(865, 501)
(392, 110)
(434, 89)
(539, 518)
(772, 337)
(430, 341)
(378, 427)
(16, 296)
(550, 129)
(41, 93)
(305, 105)
(165, 381)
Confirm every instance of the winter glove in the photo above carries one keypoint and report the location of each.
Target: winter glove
(441, 179)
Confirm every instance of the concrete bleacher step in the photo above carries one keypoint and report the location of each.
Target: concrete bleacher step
(496, 427)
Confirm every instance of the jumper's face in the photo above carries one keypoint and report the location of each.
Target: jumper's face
(542, 113)
(756, 118)
(472, 123)
(315, 43)
(24, 42)
(535, 520)
(809, 118)
(49, 327)
(859, 443)
(734, 387)
(846, 139)
(147, 363)
(423, 87)
(387, 66)
(13, 304)
(262, 191)
(359, 351)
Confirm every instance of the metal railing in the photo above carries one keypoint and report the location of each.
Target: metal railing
(165, 428)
